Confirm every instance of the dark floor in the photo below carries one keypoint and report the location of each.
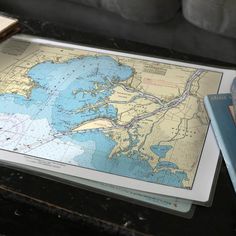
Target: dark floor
(21, 219)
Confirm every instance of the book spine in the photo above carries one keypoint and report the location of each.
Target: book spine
(221, 143)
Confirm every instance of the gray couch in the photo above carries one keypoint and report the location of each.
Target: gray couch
(200, 27)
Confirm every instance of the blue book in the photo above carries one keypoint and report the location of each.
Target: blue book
(221, 114)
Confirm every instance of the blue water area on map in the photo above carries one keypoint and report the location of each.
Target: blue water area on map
(161, 150)
(166, 164)
(69, 93)
(53, 97)
(78, 110)
(170, 178)
(132, 167)
(103, 147)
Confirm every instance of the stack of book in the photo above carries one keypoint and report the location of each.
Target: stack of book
(126, 125)
(222, 112)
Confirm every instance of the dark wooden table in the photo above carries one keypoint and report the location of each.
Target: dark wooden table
(33, 205)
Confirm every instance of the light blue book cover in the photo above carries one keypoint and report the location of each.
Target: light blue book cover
(220, 111)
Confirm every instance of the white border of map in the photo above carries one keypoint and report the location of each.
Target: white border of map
(208, 162)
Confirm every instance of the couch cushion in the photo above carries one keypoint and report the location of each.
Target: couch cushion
(217, 16)
(148, 11)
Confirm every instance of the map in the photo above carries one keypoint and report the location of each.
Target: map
(125, 116)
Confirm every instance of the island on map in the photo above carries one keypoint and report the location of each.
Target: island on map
(125, 116)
